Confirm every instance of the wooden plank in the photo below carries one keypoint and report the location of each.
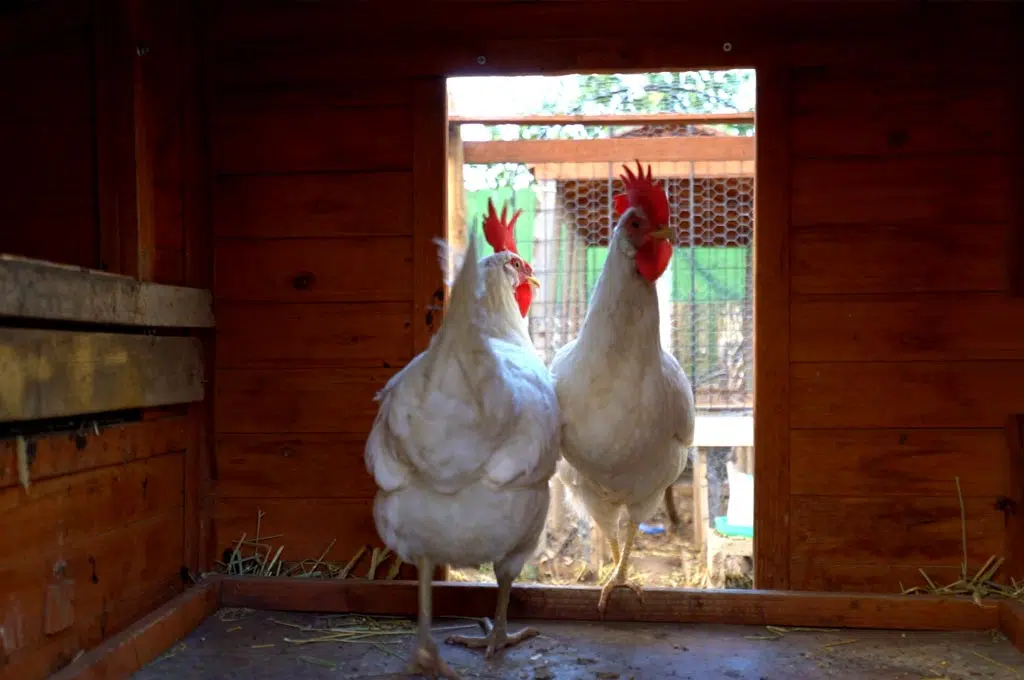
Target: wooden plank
(313, 140)
(898, 462)
(897, 116)
(306, 526)
(900, 258)
(48, 374)
(961, 189)
(125, 209)
(338, 400)
(315, 270)
(35, 289)
(50, 81)
(1013, 498)
(48, 196)
(817, 576)
(1011, 623)
(771, 333)
(129, 651)
(65, 511)
(314, 206)
(905, 394)
(895, 530)
(615, 150)
(56, 455)
(430, 207)
(670, 605)
(631, 119)
(678, 169)
(1016, 148)
(116, 576)
(922, 327)
(254, 335)
(262, 466)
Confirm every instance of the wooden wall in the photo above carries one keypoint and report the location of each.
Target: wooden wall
(907, 346)
(885, 237)
(99, 169)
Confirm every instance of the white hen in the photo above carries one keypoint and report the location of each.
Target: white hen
(466, 440)
(627, 406)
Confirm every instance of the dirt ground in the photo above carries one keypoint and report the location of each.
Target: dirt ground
(668, 559)
(253, 645)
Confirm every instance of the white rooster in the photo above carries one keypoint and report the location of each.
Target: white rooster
(627, 405)
(466, 441)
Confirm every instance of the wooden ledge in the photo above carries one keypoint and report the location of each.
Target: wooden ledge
(34, 289)
(662, 605)
(1011, 623)
(130, 650)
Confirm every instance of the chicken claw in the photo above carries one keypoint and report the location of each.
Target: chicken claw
(495, 638)
(429, 664)
(612, 584)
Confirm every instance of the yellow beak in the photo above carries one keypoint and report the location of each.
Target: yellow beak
(664, 232)
(533, 282)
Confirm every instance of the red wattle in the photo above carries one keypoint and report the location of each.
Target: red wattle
(652, 259)
(524, 296)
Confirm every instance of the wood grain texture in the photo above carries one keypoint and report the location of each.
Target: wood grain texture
(315, 270)
(900, 258)
(269, 335)
(1011, 623)
(117, 576)
(742, 607)
(901, 394)
(896, 116)
(259, 466)
(610, 150)
(43, 290)
(336, 400)
(128, 652)
(880, 577)
(772, 333)
(314, 206)
(1014, 495)
(924, 327)
(894, 530)
(48, 374)
(64, 454)
(307, 526)
(945, 189)
(898, 462)
(313, 140)
(430, 212)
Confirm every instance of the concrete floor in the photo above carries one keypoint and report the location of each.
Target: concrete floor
(251, 645)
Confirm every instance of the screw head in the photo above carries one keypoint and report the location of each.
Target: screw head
(481, 60)
(727, 47)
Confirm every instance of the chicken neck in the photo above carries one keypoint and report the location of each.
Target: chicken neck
(623, 311)
(502, 318)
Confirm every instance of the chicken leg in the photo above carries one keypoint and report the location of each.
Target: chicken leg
(618, 577)
(426, 661)
(496, 636)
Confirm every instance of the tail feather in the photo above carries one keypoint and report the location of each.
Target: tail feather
(461, 331)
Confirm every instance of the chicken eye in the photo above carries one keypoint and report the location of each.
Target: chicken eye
(635, 224)
(515, 263)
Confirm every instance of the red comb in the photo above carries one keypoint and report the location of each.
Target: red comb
(499, 231)
(642, 192)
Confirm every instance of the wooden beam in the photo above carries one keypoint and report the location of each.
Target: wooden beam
(771, 333)
(1011, 622)
(51, 374)
(738, 607)
(1014, 566)
(127, 652)
(678, 169)
(613, 119)
(34, 289)
(619, 150)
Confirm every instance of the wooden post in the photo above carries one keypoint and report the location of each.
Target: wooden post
(700, 500)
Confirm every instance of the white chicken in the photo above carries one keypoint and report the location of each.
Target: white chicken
(627, 406)
(466, 440)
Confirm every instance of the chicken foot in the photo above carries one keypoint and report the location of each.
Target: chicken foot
(618, 577)
(496, 635)
(426, 660)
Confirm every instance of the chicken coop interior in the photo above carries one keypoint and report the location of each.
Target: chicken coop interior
(220, 243)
